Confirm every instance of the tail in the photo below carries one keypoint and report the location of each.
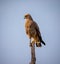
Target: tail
(40, 38)
(43, 42)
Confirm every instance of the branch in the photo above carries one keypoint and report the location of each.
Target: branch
(33, 58)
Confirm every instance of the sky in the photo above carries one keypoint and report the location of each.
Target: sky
(14, 43)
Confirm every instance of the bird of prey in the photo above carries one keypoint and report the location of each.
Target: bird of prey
(32, 30)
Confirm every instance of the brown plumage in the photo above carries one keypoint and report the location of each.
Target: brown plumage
(32, 30)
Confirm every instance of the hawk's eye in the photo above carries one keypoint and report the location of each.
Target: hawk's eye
(25, 16)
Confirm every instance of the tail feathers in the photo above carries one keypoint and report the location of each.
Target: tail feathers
(40, 37)
(43, 42)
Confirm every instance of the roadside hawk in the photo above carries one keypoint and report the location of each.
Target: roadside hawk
(33, 32)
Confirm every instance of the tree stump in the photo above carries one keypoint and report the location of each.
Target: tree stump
(33, 58)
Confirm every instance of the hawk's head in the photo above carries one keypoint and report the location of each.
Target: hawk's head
(28, 16)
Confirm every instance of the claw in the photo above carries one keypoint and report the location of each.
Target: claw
(30, 45)
(38, 45)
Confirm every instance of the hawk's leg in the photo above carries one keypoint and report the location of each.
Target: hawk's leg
(30, 43)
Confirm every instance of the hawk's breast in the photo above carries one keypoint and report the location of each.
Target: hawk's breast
(30, 30)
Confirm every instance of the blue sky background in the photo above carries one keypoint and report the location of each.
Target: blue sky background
(14, 44)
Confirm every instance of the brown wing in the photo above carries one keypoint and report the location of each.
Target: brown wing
(38, 32)
(35, 25)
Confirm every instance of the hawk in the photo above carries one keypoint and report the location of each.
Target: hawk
(32, 30)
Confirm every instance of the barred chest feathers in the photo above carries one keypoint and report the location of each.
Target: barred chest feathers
(29, 29)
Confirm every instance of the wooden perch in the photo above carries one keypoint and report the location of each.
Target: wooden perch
(33, 58)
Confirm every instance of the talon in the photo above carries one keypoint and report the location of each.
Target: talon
(38, 45)
(30, 44)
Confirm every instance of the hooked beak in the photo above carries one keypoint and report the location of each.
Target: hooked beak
(24, 17)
